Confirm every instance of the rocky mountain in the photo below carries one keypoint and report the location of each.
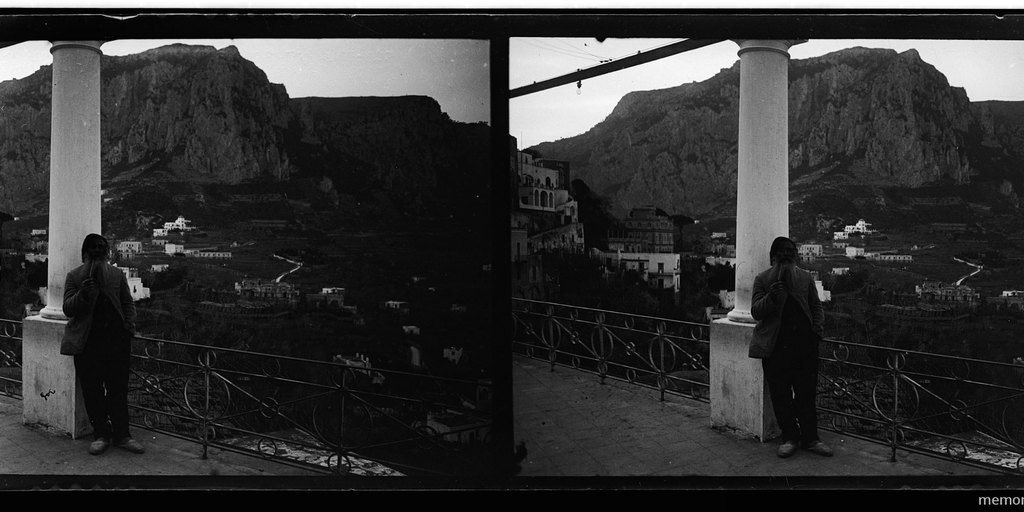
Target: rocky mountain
(861, 121)
(194, 114)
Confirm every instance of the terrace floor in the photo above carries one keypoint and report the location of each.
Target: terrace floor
(33, 457)
(574, 426)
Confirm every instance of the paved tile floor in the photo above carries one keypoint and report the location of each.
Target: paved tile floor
(33, 457)
(573, 426)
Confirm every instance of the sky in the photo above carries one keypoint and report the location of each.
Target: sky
(454, 72)
(987, 70)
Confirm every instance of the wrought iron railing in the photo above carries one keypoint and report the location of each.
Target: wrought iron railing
(663, 354)
(329, 417)
(10, 358)
(966, 410)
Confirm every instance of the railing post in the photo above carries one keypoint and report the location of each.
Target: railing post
(205, 425)
(895, 406)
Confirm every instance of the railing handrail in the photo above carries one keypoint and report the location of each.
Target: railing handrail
(920, 353)
(310, 361)
(648, 317)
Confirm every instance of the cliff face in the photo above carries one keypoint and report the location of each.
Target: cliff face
(865, 116)
(195, 114)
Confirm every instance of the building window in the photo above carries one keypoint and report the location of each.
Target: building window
(661, 268)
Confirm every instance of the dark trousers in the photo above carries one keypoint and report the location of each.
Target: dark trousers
(792, 376)
(104, 379)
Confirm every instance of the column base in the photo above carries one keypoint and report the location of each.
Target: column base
(741, 316)
(739, 394)
(50, 390)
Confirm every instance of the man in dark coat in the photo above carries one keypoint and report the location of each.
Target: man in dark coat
(101, 323)
(789, 327)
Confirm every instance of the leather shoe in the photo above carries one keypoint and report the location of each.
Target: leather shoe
(130, 445)
(819, 447)
(99, 446)
(787, 449)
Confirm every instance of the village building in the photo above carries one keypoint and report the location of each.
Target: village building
(659, 270)
(809, 251)
(935, 291)
(860, 227)
(267, 290)
(645, 231)
(139, 292)
(180, 224)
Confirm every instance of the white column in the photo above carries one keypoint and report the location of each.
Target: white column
(74, 162)
(762, 194)
(52, 396)
(739, 395)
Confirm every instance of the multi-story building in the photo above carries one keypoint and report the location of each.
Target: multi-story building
(180, 224)
(540, 188)
(660, 270)
(544, 211)
(266, 290)
(860, 227)
(949, 293)
(646, 230)
(809, 251)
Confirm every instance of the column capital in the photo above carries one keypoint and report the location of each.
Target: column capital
(771, 45)
(88, 45)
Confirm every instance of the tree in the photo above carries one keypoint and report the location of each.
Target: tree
(594, 213)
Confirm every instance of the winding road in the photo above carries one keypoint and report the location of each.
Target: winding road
(978, 267)
(298, 265)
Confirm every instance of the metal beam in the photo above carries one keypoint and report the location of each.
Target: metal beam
(623, 63)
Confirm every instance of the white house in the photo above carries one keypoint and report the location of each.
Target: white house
(659, 269)
(159, 242)
(179, 224)
(840, 235)
(139, 292)
(395, 304)
(38, 232)
(718, 234)
(173, 249)
(217, 255)
(160, 267)
(411, 330)
(159, 232)
(859, 227)
(823, 294)
(840, 271)
(892, 258)
(853, 252)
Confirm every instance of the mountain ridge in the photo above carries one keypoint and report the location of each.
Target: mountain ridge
(874, 117)
(194, 113)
